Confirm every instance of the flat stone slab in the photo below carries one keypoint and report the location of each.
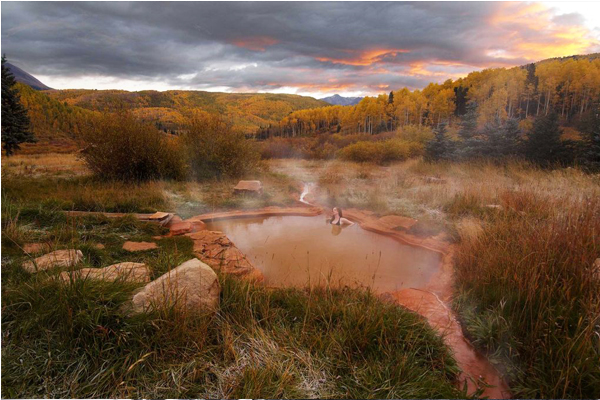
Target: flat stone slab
(58, 258)
(161, 218)
(35, 248)
(180, 228)
(248, 187)
(139, 246)
(125, 271)
(158, 216)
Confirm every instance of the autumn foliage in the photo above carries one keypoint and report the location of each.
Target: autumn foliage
(216, 150)
(568, 87)
(118, 146)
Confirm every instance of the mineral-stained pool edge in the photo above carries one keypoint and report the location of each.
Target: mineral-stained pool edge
(300, 251)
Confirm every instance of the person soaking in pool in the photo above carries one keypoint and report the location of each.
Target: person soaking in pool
(338, 218)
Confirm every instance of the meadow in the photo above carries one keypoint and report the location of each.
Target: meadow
(525, 288)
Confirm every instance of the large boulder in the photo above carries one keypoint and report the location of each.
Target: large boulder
(126, 272)
(58, 258)
(192, 286)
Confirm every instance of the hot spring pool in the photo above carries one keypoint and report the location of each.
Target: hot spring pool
(296, 251)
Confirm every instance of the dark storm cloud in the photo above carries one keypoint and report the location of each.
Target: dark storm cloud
(256, 46)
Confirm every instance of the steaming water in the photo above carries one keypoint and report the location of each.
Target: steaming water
(305, 191)
(295, 251)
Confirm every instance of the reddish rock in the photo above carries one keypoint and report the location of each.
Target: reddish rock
(126, 272)
(35, 248)
(180, 228)
(215, 249)
(158, 216)
(248, 187)
(197, 226)
(139, 246)
(58, 258)
(99, 246)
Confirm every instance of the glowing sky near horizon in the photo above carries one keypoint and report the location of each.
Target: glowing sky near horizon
(316, 48)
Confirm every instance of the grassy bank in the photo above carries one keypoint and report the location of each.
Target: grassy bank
(45, 182)
(74, 340)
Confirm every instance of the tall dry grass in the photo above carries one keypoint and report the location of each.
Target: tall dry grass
(529, 295)
(527, 238)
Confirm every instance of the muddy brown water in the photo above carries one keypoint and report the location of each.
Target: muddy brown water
(297, 250)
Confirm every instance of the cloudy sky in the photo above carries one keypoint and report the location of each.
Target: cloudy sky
(313, 48)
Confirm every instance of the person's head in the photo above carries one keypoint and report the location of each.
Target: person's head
(337, 212)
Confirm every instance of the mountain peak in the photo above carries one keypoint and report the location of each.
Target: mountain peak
(26, 78)
(338, 100)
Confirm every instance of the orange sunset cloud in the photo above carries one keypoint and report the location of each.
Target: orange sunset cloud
(256, 43)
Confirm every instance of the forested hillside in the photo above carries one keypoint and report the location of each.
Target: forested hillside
(568, 86)
(170, 109)
(55, 124)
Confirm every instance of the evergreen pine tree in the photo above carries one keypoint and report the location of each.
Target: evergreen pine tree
(468, 122)
(15, 121)
(473, 144)
(491, 143)
(391, 98)
(439, 148)
(512, 137)
(543, 145)
(592, 155)
(460, 100)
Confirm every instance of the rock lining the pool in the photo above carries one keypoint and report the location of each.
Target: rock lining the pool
(215, 249)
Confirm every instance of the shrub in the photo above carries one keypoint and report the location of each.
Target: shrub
(215, 150)
(415, 133)
(382, 152)
(280, 148)
(117, 146)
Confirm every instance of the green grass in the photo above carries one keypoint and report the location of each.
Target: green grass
(261, 343)
(76, 340)
(83, 194)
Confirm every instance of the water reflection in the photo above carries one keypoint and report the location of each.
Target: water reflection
(293, 251)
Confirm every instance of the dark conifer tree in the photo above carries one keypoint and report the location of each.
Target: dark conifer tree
(15, 121)
(460, 100)
(592, 155)
(391, 98)
(543, 145)
(440, 148)
(512, 137)
(468, 122)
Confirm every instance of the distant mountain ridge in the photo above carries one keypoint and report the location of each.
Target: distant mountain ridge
(26, 78)
(338, 100)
